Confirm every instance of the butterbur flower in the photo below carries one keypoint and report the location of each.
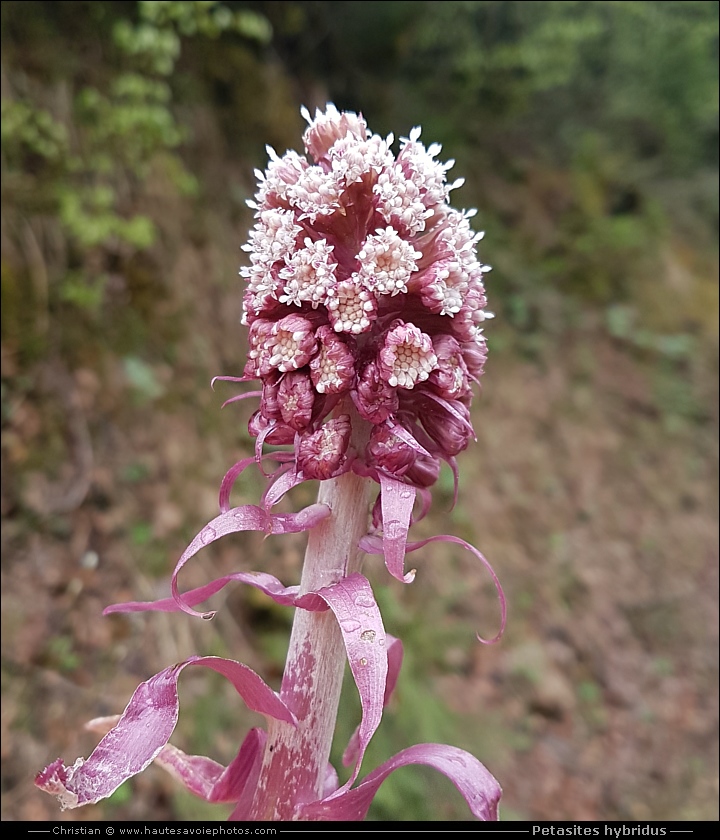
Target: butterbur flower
(365, 305)
(387, 452)
(332, 370)
(295, 400)
(321, 454)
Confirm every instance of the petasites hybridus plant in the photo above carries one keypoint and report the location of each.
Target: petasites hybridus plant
(365, 304)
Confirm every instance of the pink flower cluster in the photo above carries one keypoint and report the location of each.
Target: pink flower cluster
(363, 283)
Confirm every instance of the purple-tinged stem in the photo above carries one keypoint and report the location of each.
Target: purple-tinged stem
(295, 760)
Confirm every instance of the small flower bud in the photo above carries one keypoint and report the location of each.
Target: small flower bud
(388, 453)
(475, 354)
(471, 318)
(451, 434)
(423, 472)
(281, 174)
(296, 397)
(427, 174)
(309, 274)
(290, 345)
(269, 406)
(279, 435)
(323, 454)
(374, 399)
(258, 363)
(330, 127)
(450, 377)
(386, 262)
(333, 368)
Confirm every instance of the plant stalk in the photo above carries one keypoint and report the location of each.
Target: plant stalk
(296, 759)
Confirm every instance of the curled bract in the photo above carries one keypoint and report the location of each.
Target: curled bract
(142, 733)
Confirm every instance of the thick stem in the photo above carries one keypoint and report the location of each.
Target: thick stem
(295, 761)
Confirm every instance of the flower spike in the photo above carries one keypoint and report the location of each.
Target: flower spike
(364, 283)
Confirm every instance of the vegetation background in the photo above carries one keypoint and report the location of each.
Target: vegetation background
(588, 135)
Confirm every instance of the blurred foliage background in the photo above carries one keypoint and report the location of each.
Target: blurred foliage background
(588, 136)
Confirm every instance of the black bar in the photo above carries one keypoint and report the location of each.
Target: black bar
(117, 830)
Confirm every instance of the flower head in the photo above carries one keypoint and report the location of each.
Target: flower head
(366, 283)
(406, 357)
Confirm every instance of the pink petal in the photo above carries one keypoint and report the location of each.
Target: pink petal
(230, 379)
(259, 441)
(452, 410)
(229, 480)
(248, 773)
(210, 780)
(280, 485)
(196, 773)
(395, 656)
(284, 595)
(239, 778)
(239, 397)
(477, 785)
(245, 518)
(231, 476)
(358, 616)
(372, 545)
(145, 728)
(397, 500)
(405, 436)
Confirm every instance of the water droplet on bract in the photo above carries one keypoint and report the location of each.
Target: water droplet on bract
(207, 535)
(393, 529)
(362, 661)
(364, 601)
(406, 492)
(381, 640)
(368, 635)
(349, 625)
